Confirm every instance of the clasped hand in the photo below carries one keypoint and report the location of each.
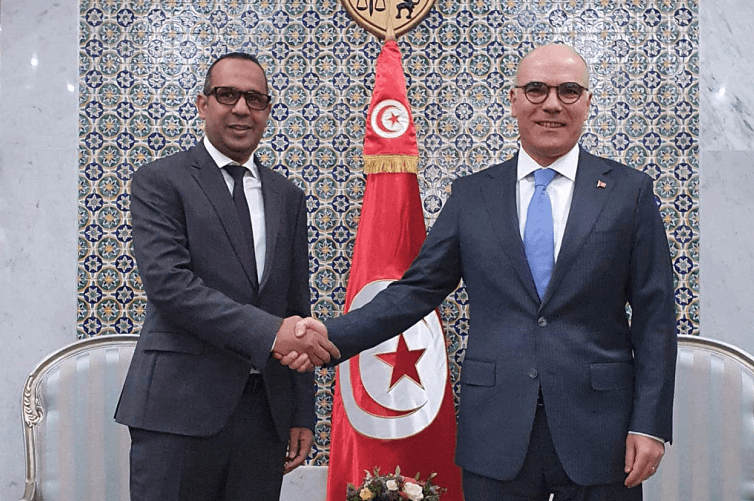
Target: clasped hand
(302, 344)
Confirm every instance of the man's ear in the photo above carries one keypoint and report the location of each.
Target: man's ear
(201, 105)
(588, 104)
(512, 98)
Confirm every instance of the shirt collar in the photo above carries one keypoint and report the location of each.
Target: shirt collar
(565, 165)
(221, 160)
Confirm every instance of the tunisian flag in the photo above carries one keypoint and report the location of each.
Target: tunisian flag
(393, 404)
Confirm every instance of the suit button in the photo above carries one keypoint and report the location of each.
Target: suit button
(533, 373)
(542, 322)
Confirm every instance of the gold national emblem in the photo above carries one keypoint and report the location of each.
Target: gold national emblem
(373, 15)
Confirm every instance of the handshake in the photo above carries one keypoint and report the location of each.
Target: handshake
(302, 344)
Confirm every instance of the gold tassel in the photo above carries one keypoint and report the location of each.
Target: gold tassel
(375, 164)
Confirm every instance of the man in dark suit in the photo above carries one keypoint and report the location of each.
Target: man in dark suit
(221, 246)
(560, 392)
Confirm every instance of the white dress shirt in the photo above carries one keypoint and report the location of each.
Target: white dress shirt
(252, 187)
(560, 190)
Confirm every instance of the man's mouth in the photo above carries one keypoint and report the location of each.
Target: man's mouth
(550, 125)
(239, 127)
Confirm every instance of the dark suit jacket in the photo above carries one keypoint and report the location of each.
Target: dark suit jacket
(600, 375)
(206, 325)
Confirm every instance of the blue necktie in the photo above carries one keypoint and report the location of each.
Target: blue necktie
(539, 240)
(242, 207)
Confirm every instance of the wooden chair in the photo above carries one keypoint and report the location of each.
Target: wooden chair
(75, 451)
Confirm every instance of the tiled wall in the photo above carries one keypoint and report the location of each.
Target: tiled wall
(142, 63)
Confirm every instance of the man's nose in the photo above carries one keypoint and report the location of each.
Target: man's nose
(241, 108)
(552, 101)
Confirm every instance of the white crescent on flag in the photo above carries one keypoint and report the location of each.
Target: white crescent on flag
(390, 119)
(401, 381)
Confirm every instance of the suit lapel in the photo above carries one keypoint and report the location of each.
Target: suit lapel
(273, 217)
(210, 179)
(499, 197)
(591, 192)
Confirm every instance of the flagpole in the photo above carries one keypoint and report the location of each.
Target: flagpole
(389, 31)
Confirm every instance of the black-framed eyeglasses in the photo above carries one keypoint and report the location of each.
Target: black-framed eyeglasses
(537, 92)
(230, 96)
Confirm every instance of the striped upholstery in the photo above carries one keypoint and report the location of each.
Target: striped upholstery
(75, 451)
(712, 456)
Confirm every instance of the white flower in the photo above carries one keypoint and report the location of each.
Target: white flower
(413, 490)
(392, 485)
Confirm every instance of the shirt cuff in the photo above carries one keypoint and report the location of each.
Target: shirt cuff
(649, 436)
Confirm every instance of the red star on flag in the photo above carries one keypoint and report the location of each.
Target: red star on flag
(403, 362)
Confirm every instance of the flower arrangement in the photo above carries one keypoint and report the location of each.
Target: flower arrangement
(394, 487)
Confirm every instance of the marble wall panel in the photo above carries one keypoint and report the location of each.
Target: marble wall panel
(38, 199)
(726, 145)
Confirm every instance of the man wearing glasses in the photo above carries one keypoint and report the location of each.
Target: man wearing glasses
(560, 393)
(221, 246)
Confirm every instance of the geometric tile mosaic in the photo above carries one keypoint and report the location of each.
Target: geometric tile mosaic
(142, 63)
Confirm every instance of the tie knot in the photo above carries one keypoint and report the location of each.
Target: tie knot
(542, 177)
(236, 171)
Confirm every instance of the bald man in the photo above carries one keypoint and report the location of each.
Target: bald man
(561, 394)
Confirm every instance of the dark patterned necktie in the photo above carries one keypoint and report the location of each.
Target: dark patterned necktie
(242, 207)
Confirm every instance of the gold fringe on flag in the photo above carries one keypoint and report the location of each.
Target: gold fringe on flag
(375, 164)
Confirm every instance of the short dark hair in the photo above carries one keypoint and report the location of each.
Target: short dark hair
(231, 55)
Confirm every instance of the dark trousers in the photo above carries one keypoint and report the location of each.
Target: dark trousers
(541, 476)
(244, 461)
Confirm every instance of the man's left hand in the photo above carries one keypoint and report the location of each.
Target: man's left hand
(643, 456)
(299, 444)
